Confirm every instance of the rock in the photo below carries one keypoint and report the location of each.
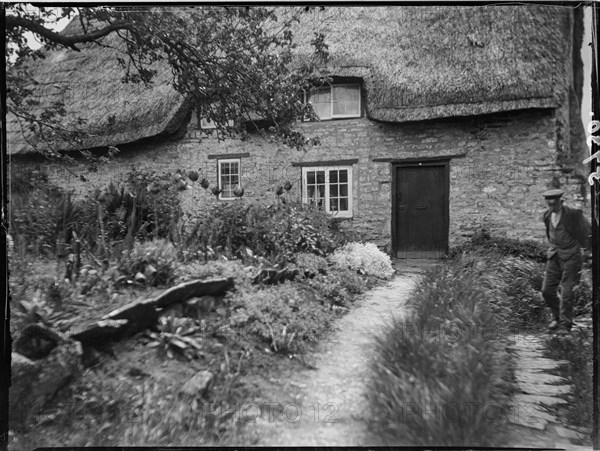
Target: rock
(196, 307)
(36, 341)
(23, 372)
(150, 271)
(101, 331)
(198, 385)
(195, 288)
(140, 278)
(33, 384)
(173, 310)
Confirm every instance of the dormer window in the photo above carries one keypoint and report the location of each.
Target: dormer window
(335, 101)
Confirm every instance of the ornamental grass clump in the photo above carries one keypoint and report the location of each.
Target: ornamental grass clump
(438, 376)
(364, 258)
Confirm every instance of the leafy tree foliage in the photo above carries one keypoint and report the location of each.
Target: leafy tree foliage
(234, 63)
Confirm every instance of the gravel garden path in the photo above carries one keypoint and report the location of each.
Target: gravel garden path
(328, 407)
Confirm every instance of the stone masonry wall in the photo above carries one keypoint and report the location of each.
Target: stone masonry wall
(506, 163)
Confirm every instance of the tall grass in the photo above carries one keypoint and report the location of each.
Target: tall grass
(439, 378)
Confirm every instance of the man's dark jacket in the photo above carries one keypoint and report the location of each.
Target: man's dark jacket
(576, 224)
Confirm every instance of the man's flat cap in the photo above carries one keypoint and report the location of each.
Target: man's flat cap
(554, 194)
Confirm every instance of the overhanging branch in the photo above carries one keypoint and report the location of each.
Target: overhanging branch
(67, 41)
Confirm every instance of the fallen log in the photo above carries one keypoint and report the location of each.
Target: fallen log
(101, 331)
(194, 289)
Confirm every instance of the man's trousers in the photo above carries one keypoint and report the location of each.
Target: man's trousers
(565, 273)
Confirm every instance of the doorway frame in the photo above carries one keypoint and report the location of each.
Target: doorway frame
(445, 164)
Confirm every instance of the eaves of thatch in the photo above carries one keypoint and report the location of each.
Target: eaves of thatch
(89, 83)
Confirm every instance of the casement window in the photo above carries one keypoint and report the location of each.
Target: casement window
(229, 177)
(207, 124)
(330, 188)
(335, 101)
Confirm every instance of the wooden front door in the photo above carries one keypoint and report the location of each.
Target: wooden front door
(420, 211)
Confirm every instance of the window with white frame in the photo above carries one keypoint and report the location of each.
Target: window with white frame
(335, 101)
(329, 188)
(229, 177)
(207, 124)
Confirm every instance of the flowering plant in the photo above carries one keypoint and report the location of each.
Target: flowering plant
(364, 258)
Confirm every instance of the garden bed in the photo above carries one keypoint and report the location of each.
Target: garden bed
(292, 276)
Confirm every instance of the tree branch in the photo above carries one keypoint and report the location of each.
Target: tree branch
(67, 41)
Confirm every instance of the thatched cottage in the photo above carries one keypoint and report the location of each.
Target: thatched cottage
(445, 119)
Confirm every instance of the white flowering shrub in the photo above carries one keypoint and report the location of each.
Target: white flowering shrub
(364, 258)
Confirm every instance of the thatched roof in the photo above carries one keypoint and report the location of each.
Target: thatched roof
(423, 62)
(89, 83)
(417, 62)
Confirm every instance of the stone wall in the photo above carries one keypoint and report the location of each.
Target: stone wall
(503, 165)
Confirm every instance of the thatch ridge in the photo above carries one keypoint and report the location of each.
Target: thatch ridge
(416, 63)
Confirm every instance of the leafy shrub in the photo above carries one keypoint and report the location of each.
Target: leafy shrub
(435, 377)
(276, 232)
(311, 263)
(160, 254)
(338, 286)
(365, 258)
(280, 315)
(482, 242)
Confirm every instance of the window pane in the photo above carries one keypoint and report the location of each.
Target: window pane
(310, 177)
(333, 190)
(344, 190)
(224, 168)
(344, 176)
(321, 102)
(343, 204)
(333, 176)
(333, 205)
(346, 100)
(339, 100)
(353, 100)
(234, 168)
(320, 176)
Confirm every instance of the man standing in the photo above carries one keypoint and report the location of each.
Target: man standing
(568, 231)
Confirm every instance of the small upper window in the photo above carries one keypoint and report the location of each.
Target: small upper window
(207, 124)
(335, 101)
